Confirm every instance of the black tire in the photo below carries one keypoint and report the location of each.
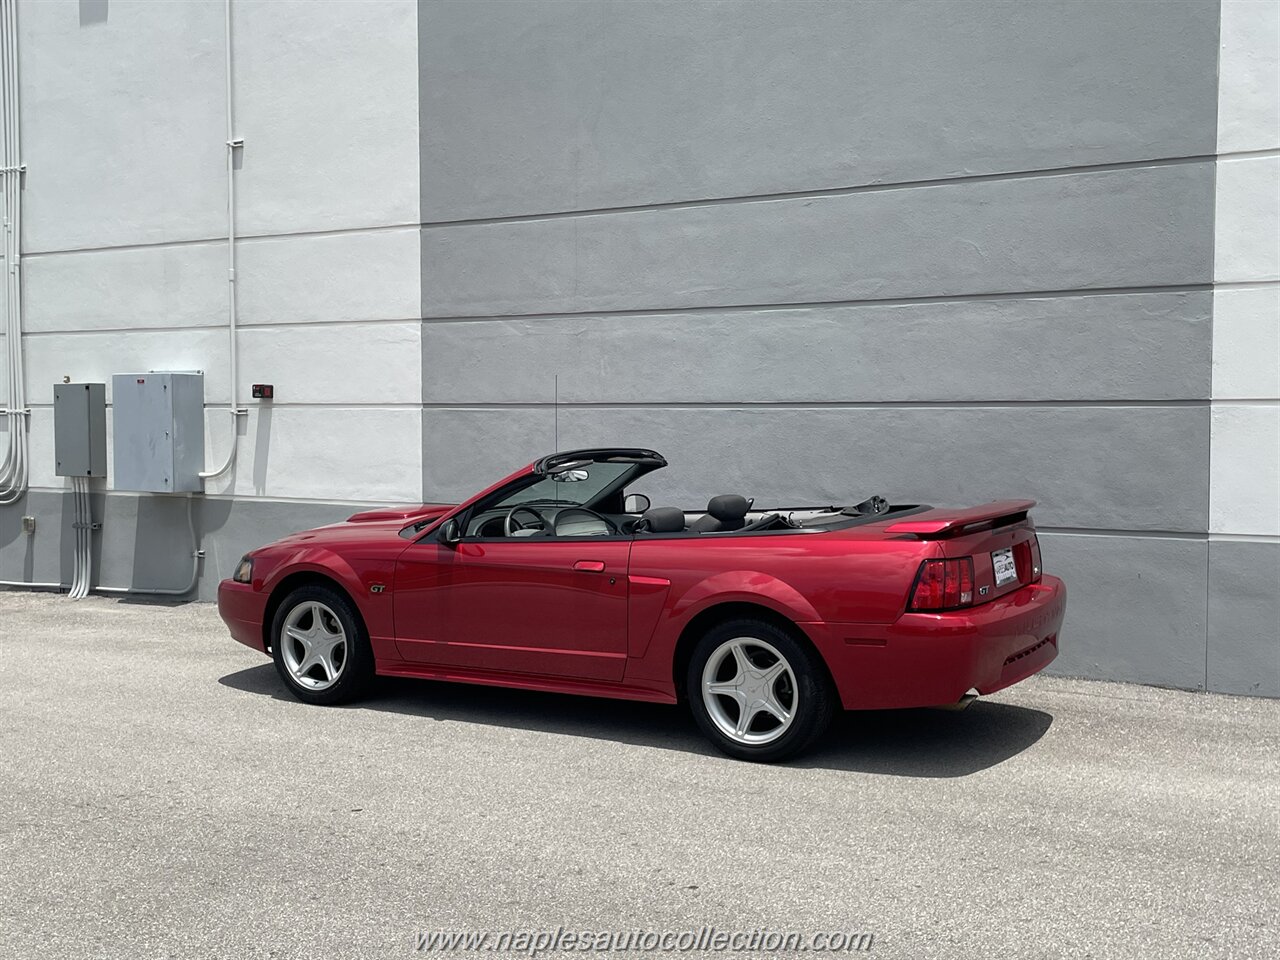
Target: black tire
(357, 669)
(814, 700)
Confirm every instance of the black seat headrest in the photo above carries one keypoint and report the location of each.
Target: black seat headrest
(728, 507)
(662, 520)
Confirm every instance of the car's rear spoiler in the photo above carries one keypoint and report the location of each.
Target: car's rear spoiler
(949, 523)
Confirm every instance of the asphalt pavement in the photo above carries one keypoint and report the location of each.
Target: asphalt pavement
(162, 796)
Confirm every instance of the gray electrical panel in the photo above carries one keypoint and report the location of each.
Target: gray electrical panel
(158, 431)
(80, 429)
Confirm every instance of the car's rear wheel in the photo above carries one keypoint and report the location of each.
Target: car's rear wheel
(320, 646)
(757, 691)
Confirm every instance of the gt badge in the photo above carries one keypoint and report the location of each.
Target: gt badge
(377, 587)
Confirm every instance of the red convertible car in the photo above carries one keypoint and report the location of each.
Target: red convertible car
(764, 621)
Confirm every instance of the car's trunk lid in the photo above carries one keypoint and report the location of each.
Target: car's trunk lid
(999, 536)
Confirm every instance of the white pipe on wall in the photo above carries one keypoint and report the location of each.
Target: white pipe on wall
(14, 472)
(88, 534)
(232, 145)
(81, 572)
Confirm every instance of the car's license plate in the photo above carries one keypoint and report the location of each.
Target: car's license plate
(1002, 562)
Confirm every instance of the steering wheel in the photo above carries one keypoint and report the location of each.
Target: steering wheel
(510, 524)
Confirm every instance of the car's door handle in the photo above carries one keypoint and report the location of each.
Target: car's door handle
(591, 566)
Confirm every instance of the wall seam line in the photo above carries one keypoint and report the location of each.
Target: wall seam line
(783, 195)
(998, 296)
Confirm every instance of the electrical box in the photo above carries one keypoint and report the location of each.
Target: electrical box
(80, 429)
(158, 431)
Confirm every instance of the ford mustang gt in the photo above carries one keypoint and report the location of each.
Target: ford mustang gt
(561, 577)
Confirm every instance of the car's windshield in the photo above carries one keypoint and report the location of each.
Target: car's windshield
(575, 484)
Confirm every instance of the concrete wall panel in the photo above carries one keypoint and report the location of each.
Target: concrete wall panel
(363, 453)
(1244, 617)
(352, 276)
(373, 363)
(1249, 77)
(1138, 346)
(123, 124)
(326, 101)
(159, 286)
(1114, 467)
(1089, 230)
(1135, 607)
(46, 555)
(1246, 343)
(1248, 219)
(1245, 469)
(339, 363)
(548, 106)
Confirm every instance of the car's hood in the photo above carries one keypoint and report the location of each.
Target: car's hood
(385, 521)
(401, 515)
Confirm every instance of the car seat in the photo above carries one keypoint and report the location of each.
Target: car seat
(724, 513)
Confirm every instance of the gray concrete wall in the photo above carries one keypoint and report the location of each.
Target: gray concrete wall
(812, 252)
(941, 252)
(543, 107)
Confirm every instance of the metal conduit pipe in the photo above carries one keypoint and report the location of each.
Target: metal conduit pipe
(232, 145)
(14, 470)
(82, 566)
(86, 522)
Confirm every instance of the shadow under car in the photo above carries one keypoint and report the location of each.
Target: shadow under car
(903, 743)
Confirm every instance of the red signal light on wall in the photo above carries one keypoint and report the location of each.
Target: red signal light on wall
(264, 391)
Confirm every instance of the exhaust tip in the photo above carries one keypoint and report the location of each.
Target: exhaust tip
(970, 695)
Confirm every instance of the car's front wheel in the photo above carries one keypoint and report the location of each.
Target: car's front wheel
(320, 646)
(757, 691)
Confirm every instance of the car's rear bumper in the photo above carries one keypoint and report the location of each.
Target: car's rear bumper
(242, 608)
(926, 659)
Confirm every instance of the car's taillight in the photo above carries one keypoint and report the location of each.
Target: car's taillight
(943, 585)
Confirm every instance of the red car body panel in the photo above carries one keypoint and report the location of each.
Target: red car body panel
(525, 606)
(605, 616)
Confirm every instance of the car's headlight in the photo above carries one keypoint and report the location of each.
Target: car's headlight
(244, 571)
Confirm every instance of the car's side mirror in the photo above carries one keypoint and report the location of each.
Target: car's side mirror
(450, 533)
(636, 503)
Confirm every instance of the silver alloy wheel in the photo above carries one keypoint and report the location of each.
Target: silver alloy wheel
(750, 691)
(313, 645)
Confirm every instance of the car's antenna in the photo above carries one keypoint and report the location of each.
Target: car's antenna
(555, 406)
